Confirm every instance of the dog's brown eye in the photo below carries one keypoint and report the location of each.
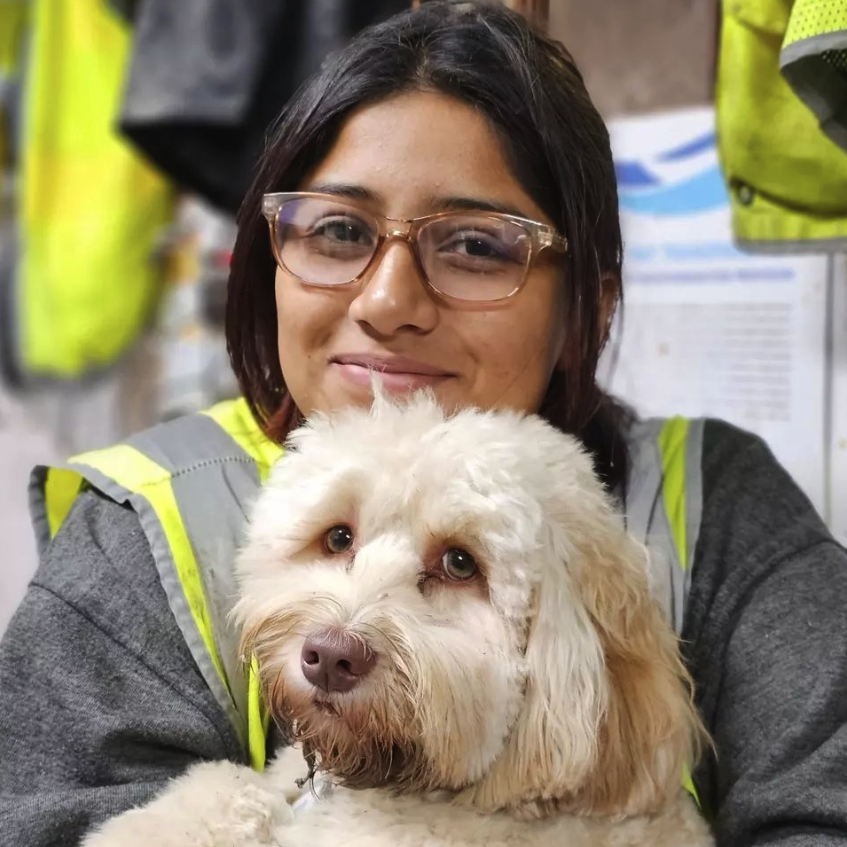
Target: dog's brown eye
(458, 564)
(339, 539)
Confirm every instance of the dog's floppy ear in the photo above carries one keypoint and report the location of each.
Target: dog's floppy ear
(554, 744)
(650, 729)
(607, 722)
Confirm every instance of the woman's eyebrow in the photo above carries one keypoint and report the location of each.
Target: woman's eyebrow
(347, 190)
(351, 191)
(474, 204)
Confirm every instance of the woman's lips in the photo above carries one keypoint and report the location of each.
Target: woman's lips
(397, 375)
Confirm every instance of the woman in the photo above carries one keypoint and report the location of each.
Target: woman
(113, 672)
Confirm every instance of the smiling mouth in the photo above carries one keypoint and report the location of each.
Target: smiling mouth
(395, 375)
(390, 365)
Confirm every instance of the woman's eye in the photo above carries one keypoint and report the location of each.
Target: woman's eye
(458, 564)
(483, 251)
(341, 231)
(476, 246)
(338, 539)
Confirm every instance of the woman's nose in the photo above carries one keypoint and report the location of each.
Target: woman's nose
(393, 296)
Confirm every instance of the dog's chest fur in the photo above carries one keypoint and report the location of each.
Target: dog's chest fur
(373, 818)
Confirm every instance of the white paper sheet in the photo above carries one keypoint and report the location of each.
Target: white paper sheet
(837, 464)
(707, 330)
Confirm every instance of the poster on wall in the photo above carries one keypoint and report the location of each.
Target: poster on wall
(836, 464)
(707, 330)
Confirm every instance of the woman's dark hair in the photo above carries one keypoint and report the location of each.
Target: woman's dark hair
(534, 97)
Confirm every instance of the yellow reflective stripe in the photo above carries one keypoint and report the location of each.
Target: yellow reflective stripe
(60, 490)
(672, 440)
(672, 445)
(258, 719)
(688, 785)
(135, 472)
(125, 465)
(234, 418)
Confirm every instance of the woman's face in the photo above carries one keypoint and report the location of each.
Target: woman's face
(414, 155)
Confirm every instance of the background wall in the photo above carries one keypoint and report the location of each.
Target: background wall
(641, 56)
(636, 57)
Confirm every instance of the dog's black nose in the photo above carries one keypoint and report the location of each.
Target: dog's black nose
(335, 660)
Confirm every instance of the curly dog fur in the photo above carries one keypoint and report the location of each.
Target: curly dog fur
(518, 683)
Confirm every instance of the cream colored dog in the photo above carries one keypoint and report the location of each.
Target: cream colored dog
(451, 618)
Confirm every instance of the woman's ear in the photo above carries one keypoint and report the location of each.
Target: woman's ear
(608, 300)
(610, 297)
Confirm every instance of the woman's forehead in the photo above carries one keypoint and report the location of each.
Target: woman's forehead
(418, 152)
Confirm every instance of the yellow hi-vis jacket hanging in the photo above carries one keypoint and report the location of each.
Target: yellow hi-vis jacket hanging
(13, 21)
(814, 61)
(192, 480)
(90, 209)
(787, 177)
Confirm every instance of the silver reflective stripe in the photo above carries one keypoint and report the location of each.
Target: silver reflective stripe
(647, 519)
(647, 516)
(212, 501)
(214, 482)
(693, 493)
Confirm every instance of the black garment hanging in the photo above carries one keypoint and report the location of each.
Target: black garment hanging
(207, 78)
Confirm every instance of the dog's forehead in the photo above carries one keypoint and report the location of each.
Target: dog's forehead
(417, 449)
(397, 457)
(412, 451)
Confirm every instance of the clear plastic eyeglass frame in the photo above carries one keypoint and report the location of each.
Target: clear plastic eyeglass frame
(541, 237)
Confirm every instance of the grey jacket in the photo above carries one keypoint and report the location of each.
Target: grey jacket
(101, 702)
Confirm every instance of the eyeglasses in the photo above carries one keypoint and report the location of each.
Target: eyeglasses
(479, 257)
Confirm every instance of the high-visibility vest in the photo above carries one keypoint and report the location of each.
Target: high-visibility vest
(192, 480)
(91, 211)
(813, 59)
(787, 176)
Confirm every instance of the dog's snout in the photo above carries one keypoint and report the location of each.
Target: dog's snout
(335, 660)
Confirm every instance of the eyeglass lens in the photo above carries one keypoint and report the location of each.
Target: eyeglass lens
(469, 256)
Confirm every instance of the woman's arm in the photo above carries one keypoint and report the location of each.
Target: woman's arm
(100, 700)
(766, 639)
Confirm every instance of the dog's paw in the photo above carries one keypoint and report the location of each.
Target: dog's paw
(255, 818)
(216, 804)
